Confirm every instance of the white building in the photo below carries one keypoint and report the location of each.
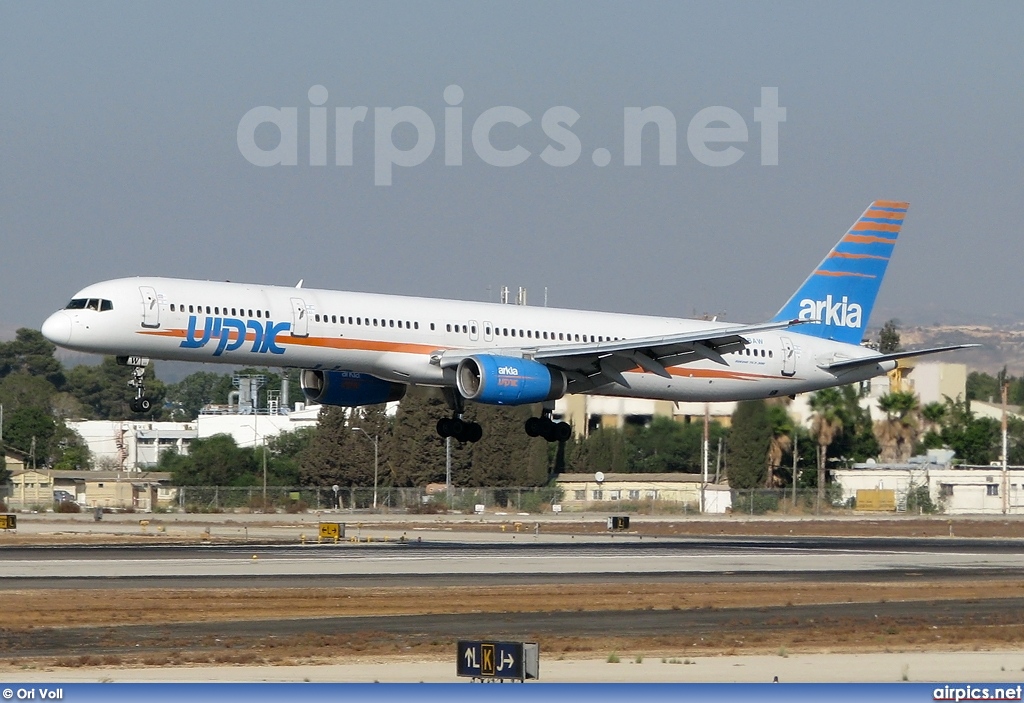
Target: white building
(955, 490)
(127, 445)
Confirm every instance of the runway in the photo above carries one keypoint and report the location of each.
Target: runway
(454, 562)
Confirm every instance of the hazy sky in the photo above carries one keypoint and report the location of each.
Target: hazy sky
(119, 151)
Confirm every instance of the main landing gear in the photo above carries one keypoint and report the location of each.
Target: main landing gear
(547, 428)
(454, 426)
(139, 404)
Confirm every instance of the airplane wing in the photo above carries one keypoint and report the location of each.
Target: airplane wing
(846, 364)
(594, 364)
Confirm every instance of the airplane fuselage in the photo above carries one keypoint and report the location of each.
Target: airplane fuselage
(399, 338)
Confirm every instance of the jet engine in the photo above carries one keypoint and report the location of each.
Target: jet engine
(348, 388)
(507, 380)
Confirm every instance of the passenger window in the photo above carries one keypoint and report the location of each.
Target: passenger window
(172, 307)
(416, 325)
(561, 336)
(190, 309)
(529, 334)
(431, 326)
(259, 313)
(448, 328)
(375, 322)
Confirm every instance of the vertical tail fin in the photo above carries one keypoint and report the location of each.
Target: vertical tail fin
(841, 291)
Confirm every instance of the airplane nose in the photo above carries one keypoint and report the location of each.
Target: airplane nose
(57, 328)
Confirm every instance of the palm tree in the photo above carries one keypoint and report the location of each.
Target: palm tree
(781, 441)
(826, 425)
(898, 432)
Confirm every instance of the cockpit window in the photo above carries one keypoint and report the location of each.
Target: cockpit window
(90, 304)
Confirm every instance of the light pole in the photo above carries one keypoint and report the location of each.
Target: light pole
(373, 439)
(263, 446)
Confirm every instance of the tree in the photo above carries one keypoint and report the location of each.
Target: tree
(213, 461)
(23, 390)
(30, 428)
(975, 440)
(197, 390)
(749, 442)
(667, 446)
(779, 444)
(889, 337)
(417, 454)
(826, 425)
(283, 456)
(32, 354)
(898, 432)
(506, 456)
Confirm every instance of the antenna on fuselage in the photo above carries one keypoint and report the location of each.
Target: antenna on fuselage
(299, 284)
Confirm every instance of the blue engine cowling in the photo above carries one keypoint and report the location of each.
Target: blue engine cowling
(506, 380)
(348, 388)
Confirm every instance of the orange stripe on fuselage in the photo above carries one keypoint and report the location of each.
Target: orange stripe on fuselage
(424, 349)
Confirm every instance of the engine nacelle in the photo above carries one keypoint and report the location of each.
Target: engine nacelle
(507, 380)
(348, 388)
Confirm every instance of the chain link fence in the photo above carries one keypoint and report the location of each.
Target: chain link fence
(210, 499)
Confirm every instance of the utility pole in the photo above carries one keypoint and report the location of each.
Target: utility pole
(704, 459)
(795, 454)
(448, 469)
(1004, 489)
(373, 439)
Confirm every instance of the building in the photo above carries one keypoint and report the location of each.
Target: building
(588, 491)
(587, 413)
(138, 490)
(953, 489)
(129, 444)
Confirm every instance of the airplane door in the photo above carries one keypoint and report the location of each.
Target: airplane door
(150, 307)
(300, 320)
(488, 332)
(788, 357)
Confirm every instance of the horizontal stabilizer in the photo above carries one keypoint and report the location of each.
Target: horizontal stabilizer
(895, 356)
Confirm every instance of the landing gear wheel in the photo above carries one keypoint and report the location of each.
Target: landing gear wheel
(459, 429)
(534, 426)
(472, 432)
(548, 429)
(141, 405)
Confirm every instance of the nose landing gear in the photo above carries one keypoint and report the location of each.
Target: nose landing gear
(140, 404)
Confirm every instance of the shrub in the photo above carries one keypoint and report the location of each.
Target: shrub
(67, 506)
(920, 499)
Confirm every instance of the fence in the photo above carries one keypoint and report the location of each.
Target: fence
(759, 501)
(205, 499)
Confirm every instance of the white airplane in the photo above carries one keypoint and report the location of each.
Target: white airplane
(361, 348)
